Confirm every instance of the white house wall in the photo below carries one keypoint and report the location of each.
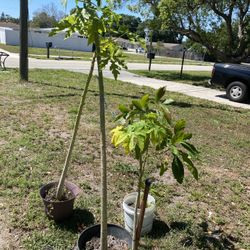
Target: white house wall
(12, 37)
(39, 39)
(2, 36)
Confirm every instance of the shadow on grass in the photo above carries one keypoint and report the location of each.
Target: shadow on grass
(205, 106)
(225, 97)
(81, 219)
(197, 236)
(96, 93)
(159, 230)
(211, 239)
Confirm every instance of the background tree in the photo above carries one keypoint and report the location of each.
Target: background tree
(158, 34)
(43, 20)
(149, 11)
(221, 26)
(47, 16)
(7, 18)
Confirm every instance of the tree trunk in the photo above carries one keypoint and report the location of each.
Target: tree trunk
(137, 204)
(59, 192)
(103, 151)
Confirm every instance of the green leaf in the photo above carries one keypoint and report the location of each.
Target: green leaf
(144, 101)
(188, 136)
(180, 125)
(159, 94)
(131, 143)
(163, 168)
(166, 113)
(123, 108)
(168, 101)
(178, 169)
(190, 148)
(178, 137)
(193, 170)
(137, 104)
(137, 153)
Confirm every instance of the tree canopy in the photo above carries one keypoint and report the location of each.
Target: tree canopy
(221, 26)
(47, 16)
(7, 18)
(149, 11)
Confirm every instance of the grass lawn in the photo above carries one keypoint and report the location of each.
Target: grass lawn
(197, 78)
(35, 127)
(41, 53)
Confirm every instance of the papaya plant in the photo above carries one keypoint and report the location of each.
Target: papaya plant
(95, 21)
(147, 128)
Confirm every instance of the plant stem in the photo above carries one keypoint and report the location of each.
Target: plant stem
(103, 151)
(135, 241)
(59, 191)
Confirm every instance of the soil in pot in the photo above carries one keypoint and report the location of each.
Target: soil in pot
(118, 238)
(59, 210)
(113, 244)
(50, 195)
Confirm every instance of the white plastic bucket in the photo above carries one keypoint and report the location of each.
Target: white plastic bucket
(130, 211)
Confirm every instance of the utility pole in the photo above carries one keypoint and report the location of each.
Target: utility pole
(23, 55)
(182, 62)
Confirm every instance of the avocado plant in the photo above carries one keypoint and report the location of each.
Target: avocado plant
(94, 21)
(148, 128)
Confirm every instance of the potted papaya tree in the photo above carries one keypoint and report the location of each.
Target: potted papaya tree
(95, 21)
(58, 197)
(147, 128)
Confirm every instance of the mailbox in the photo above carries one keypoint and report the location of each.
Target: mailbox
(151, 55)
(48, 44)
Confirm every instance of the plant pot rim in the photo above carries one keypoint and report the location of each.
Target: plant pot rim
(73, 188)
(109, 225)
(131, 210)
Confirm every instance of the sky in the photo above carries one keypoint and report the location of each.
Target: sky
(12, 7)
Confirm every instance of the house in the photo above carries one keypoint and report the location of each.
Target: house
(39, 37)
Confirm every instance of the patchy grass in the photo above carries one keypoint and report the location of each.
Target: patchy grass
(197, 78)
(41, 53)
(35, 127)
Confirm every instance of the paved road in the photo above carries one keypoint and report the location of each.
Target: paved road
(83, 66)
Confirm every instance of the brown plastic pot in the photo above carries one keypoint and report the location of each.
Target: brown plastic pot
(59, 210)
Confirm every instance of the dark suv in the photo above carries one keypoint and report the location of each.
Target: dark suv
(235, 78)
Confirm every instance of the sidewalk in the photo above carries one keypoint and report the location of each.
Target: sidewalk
(125, 76)
(186, 89)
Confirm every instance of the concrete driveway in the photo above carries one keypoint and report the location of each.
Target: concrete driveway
(125, 76)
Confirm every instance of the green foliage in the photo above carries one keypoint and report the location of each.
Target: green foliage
(96, 22)
(147, 125)
(220, 26)
(7, 18)
(43, 20)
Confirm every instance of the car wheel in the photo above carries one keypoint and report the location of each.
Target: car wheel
(237, 91)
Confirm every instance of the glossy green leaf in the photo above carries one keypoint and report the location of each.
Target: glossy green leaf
(180, 125)
(190, 148)
(190, 165)
(137, 104)
(123, 108)
(144, 101)
(178, 169)
(160, 93)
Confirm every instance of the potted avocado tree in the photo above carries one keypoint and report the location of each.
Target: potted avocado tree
(147, 128)
(94, 21)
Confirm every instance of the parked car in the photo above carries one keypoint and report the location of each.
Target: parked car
(235, 78)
